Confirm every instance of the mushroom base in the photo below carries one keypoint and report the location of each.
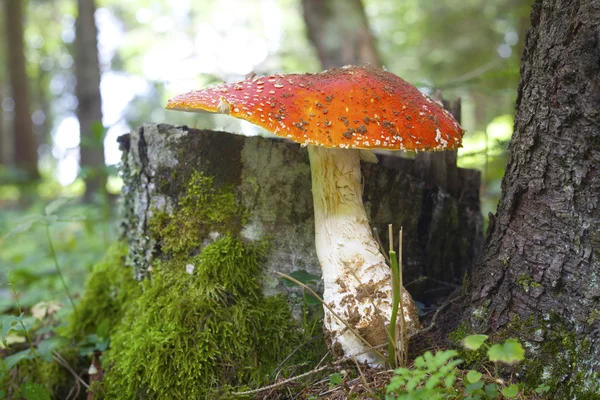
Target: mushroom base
(357, 280)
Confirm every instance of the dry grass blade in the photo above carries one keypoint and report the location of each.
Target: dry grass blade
(362, 376)
(294, 378)
(59, 359)
(402, 354)
(381, 248)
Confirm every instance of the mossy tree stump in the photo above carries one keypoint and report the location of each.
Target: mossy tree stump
(270, 180)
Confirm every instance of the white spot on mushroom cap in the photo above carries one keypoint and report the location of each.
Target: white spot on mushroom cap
(439, 139)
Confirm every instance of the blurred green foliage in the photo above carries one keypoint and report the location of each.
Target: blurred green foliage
(78, 244)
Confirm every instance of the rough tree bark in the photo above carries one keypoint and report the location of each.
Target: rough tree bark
(25, 153)
(340, 32)
(89, 110)
(271, 179)
(539, 274)
(5, 142)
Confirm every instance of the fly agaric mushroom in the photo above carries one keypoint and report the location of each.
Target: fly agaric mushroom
(337, 114)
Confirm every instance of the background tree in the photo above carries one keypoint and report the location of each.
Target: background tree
(339, 30)
(24, 141)
(538, 276)
(89, 110)
(6, 146)
(5, 139)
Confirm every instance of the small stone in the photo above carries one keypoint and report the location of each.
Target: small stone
(189, 268)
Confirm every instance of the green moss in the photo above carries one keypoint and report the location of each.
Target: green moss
(557, 357)
(109, 289)
(188, 335)
(201, 210)
(200, 324)
(594, 316)
(471, 358)
(527, 282)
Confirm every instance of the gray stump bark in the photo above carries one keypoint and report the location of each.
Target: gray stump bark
(271, 179)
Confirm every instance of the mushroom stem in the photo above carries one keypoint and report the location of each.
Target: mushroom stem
(357, 281)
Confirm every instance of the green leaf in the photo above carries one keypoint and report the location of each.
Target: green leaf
(450, 366)
(34, 391)
(103, 328)
(450, 380)
(542, 388)
(99, 132)
(511, 391)
(72, 218)
(102, 344)
(474, 387)
(302, 276)
(413, 383)
(402, 371)
(474, 342)
(14, 359)
(491, 390)
(55, 205)
(23, 225)
(430, 360)
(419, 362)
(94, 138)
(85, 351)
(441, 357)
(45, 348)
(432, 382)
(510, 352)
(395, 384)
(473, 376)
(10, 323)
(335, 379)
(311, 300)
(112, 170)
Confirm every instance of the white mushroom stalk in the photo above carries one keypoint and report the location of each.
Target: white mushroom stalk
(357, 280)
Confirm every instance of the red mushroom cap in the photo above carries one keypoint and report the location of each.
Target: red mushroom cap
(350, 107)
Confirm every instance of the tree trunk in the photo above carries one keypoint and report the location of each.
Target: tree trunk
(89, 111)
(340, 32)
(24, 141)
(5, 142)
(271, 179)
(539, 275)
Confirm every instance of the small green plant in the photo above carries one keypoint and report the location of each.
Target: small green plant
(542, 388)
(336, 378)
(49, 218)
(397, 353)
(33, 334)
(510, 352)
(434, 376)
(15, 324)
